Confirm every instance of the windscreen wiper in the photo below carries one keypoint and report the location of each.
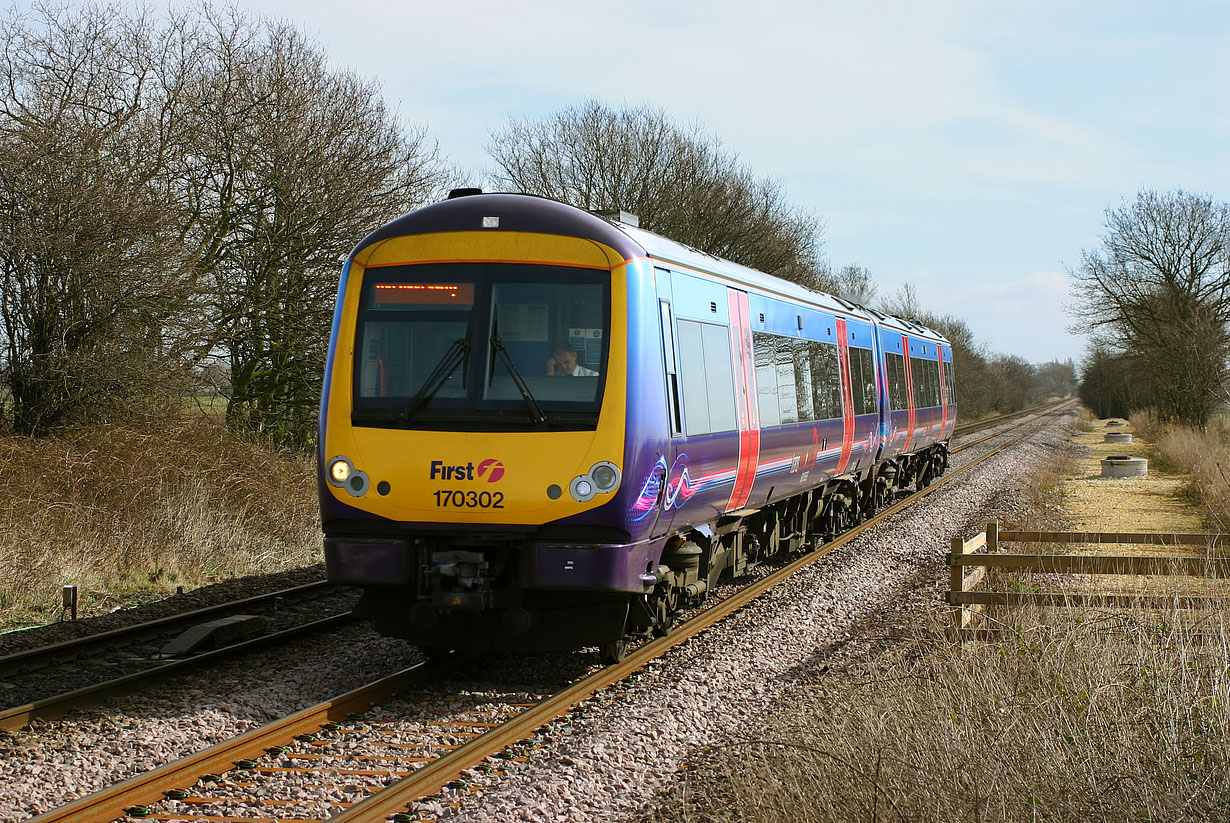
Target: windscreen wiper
(536, 412)
(454, 357)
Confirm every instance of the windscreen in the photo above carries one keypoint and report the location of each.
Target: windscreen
(507, 342)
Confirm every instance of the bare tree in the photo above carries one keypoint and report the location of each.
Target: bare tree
(1159, 290)
(1057, 379)
(92, 282)
(903, 303)
(290, 164)
(854, 283)
(679, 181)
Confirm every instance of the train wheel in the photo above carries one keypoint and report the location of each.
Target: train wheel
(614, 652)
(664, 604)
(879, 498)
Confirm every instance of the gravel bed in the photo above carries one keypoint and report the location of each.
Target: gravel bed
(53, 763)
(76, 669)
(607, 764)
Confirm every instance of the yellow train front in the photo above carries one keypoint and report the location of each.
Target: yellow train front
(472, 437)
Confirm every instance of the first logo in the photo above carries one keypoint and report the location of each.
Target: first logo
(491, 469)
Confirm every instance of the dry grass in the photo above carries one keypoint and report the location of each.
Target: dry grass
(1085, 419)
(1203, 455)
(1084, 718)
(120, 511)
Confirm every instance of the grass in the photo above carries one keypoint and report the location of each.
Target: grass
(1083, 718)
(1203, 455)
(128, 513)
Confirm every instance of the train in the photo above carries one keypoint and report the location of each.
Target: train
(545, 428)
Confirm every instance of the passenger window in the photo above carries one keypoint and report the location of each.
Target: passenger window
(719, 377)
(895, 365)
(802, 377)
(766, 379)
(783, 360)
(825, 380)
(863, 380)
(708, 377)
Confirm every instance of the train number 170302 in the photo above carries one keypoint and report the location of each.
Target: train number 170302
(469, 499)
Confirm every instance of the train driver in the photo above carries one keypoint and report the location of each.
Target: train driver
(564, 363)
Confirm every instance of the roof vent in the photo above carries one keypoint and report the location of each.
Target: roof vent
(619, 216)
(455, 193)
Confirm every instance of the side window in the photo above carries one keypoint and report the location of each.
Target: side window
(692, 370)
(783, 361)
(672, 378)
(896, 381)
(951, 379)
(766, 379)
(708, 378)
(863, 380)
(926, 382)
(918, 369)
(802, 380)
(825, 380)
(719, 377)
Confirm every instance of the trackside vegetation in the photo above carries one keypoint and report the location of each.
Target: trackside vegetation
(1082, 718)
(128, 513)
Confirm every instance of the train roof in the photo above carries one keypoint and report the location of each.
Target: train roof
(531, 213)
(671, 251)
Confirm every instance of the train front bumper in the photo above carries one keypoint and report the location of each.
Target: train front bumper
(364, 561)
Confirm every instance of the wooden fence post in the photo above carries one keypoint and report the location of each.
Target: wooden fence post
(956, 585)
(992, 535)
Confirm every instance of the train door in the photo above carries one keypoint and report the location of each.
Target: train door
(847, 396)
(882, 400)
(666, 461)
(909, 395)
(747, 410)
(939, 358)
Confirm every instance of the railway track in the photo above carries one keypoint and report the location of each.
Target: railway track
(372, 764)
(49, 681)
(965, 429)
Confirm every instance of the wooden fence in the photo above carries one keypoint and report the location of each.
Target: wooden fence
(966, 600)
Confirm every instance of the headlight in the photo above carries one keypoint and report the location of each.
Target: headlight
(602, 478)
(582, 489)
(339, 471)
(605, 477)
(344, 475)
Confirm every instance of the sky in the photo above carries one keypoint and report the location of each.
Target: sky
(968, 147)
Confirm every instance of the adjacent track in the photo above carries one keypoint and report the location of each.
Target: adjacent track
(89, 663)
(424, 780)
